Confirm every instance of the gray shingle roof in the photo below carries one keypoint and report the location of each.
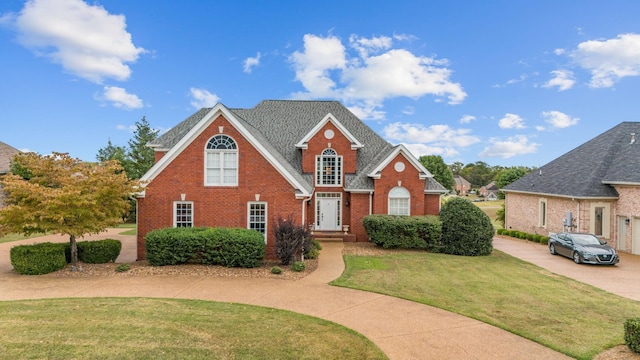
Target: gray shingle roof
(586, 171)
(6, 155)
(280, 124)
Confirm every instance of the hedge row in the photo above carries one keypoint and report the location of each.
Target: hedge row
(408, 232)
(43, 258)
(525, 236)
(231, 247)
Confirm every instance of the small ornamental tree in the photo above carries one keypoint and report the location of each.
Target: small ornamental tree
(466, 230)
(64, 195)
(291, 239)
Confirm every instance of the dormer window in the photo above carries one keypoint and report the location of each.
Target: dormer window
(329, 168)
(221, 161)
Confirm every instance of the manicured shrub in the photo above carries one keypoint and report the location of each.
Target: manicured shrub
(466, 230)
(99, 252)
(276, 270)
(632, 334)
(298, 266)
(544, 240)
(406, 232)
(291, 239)
(38, 259)
(231, 247)
(123, 267)
(314, 250)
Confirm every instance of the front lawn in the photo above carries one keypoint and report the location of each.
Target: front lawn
(140, 328)
(566, 315)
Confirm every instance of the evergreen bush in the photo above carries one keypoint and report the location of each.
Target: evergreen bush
(99, 252)
(632, 334)
(406, 232)
(466, 230)
(38, 259)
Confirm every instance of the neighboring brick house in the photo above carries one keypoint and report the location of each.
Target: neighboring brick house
(313, 160)
(462, 185)
(489, 191)
(593, 188)
(6, 155)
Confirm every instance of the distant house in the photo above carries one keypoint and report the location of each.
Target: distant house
(462, 185)
(593, 188)
(6, 155)
(490, 191)
(314, 160)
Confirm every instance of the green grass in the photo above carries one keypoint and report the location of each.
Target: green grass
(133, 229)
(17, 237)
(560, 313)
(139, 328)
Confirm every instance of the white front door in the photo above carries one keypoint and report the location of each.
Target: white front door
(328, 213)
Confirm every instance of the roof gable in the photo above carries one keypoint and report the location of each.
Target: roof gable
(588, 170)
(204, 122)
(355, 144)
(400, 149)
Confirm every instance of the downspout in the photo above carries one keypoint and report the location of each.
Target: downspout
(304, 205)
(370, 202)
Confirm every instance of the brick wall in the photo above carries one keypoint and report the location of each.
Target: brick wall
(627, 207)
(409, 179)
(216, 206)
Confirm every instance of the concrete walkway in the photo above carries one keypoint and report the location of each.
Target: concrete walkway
(402, 329)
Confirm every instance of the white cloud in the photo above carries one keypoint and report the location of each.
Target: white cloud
(421, 149)
(511, 121)
(373, 72)
(408, 110)
(120, 98)
(86, 40)
(129, 128)
(559, 119)
(467, 119)
(251, 62)
(563, 79)
(435, 139)
(203, 98)
(517, 145)
(609, 60)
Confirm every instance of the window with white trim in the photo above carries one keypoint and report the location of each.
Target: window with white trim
(257, 217)
(542, 213)
(329, 168)
(221, 161)
(399, 201)
(183, 214)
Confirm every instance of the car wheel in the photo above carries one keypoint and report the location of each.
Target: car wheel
(552, 249)
(576, 257)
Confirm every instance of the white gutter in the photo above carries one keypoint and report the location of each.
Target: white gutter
(304, 203)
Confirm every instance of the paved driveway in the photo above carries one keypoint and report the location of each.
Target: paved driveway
(622, 279)
(402, 329)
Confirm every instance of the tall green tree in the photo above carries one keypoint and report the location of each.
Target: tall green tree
(64, 195)
(478, 174)
(508, 176)
(137, 158)
(140, 155)
(440, 171)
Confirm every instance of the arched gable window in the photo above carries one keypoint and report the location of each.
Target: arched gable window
(329, 168)
(399, 199)
(221, 161)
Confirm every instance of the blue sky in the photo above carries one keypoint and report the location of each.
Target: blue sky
(504, 82)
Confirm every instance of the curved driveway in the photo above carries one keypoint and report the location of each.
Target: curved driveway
(401, 328)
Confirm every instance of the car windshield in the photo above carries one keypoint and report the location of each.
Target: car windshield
(585, 239)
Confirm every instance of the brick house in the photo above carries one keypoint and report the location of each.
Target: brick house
(6, 155)
(593, 188)
(314, 160)
(462, 185)
(489, 191)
